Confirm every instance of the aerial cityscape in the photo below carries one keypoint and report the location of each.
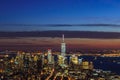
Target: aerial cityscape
(59, 39)
(48, 65)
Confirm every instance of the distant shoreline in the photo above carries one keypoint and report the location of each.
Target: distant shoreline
(43, 43)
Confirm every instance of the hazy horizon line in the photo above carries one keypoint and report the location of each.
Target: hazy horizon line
(60, 31)
(62, 25)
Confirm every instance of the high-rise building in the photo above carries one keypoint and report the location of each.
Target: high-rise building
(74, 59)
(87, 65)
(42, 59)
(61, 60)
(63, 46)
(49, 56)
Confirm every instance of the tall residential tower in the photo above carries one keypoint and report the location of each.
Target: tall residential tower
(63, 46)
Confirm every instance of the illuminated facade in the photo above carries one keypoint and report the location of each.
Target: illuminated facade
(74, 59)
(49, 56)
(61, 59)
(63, 46)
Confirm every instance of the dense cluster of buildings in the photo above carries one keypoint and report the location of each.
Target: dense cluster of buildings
(48, 66)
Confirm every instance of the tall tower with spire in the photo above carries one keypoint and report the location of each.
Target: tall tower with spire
(63, 46)
(49, 56)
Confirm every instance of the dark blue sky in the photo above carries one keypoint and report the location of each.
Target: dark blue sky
(58, 12)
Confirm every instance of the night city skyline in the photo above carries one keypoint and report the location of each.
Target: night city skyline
(59, 39)
(42, 12)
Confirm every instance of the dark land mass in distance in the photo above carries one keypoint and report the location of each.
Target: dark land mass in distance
(68, 34)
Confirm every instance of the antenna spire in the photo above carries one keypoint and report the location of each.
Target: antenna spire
(63, 37)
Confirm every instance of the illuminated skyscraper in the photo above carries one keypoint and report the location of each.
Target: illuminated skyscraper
(63, 46)
(61, 60)
(49, 56)
(74, 59)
